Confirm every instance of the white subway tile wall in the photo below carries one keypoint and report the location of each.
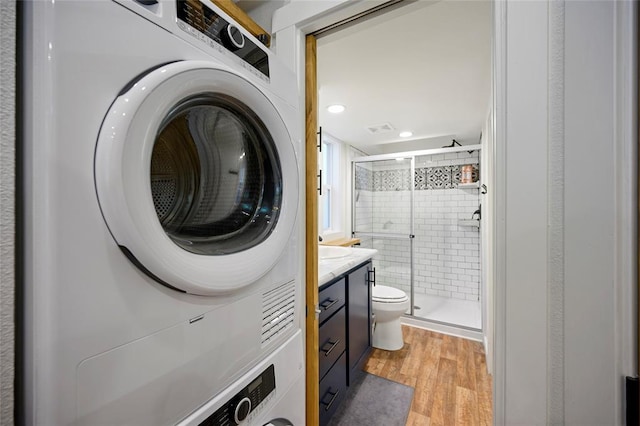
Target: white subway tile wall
(363, 199)
(446, 254)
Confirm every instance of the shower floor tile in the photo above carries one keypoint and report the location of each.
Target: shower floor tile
(465, 313)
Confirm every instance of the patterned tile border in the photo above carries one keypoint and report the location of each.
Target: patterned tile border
(392, 180)
(425, 178)
(440, 177)
(364, 179)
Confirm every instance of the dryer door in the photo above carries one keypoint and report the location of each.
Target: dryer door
(197, 179)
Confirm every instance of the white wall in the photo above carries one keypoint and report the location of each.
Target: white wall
(589, 215)
(525, 244)
(261, 11)
(7, 208)
(626, 191)
(559, 263)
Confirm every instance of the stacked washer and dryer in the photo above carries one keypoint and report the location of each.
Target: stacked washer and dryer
(162, 279)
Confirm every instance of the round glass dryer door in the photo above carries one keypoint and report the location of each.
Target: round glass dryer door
(197, 178)
(216, 179)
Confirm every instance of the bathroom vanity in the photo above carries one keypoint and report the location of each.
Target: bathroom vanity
(344, 296)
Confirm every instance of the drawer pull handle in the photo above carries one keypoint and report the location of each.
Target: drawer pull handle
(333, 345)
(333, 398)
(328, 303)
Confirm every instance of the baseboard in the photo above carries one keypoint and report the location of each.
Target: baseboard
(444, 329)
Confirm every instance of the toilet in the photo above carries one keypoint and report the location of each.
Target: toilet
(388, 304)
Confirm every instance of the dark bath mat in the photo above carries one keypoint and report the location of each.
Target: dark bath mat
(373, 401)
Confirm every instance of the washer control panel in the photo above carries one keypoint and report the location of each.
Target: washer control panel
(199, 20)
(238, 408)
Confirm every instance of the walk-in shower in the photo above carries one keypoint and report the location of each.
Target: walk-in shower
(423, 216)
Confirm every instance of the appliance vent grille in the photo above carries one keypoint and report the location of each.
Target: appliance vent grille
(381, 128)
(278, 311)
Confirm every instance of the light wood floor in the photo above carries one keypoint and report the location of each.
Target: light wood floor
(448, 374)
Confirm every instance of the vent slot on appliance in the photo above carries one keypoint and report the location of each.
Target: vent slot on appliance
(278, 311)
(381, 128)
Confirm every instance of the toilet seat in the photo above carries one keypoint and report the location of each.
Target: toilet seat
(386, 294)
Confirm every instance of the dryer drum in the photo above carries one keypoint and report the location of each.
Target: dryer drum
(172, 173)
(216, 181)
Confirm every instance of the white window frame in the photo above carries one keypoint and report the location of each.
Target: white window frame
(333, 186)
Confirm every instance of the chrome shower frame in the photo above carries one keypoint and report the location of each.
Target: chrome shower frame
(411, 155)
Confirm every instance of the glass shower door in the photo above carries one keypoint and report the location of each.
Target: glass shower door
(383, 218)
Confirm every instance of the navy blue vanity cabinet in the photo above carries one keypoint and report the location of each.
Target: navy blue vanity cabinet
(344, 334)
(358, 319)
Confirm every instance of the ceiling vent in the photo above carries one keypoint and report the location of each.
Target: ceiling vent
(381, 128)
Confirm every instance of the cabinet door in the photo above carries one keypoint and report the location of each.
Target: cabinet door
(359, 317)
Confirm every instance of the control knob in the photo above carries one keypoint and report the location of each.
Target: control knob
(242, 410)
(232, 37)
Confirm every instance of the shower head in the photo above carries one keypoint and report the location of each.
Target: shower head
(453, 143)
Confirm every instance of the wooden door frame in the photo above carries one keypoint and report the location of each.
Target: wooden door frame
(311, 230)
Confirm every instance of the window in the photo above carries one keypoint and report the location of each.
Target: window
(331, 206)
(327, 183)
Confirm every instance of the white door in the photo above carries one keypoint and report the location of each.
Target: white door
(196, 178)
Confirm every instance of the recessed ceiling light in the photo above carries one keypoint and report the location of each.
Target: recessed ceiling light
(405, 134)
(336, 109)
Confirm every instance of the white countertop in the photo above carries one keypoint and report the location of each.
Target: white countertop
(329, 269)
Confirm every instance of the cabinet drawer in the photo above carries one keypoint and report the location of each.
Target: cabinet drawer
(332, 389)
(332, 341)
(330, 299)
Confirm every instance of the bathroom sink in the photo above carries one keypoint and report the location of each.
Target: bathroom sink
(330, 252)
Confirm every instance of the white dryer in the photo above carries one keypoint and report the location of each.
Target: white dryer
(271, 394)
(161, 200)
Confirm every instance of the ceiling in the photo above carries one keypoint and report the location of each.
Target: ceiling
(424, 67)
